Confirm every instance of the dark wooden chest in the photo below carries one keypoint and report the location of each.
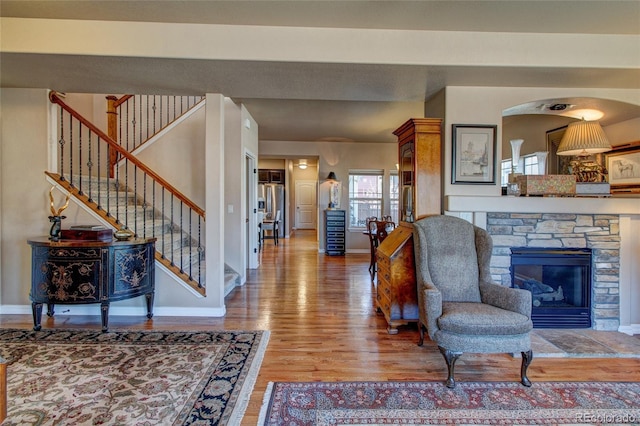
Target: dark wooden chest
(87, 234)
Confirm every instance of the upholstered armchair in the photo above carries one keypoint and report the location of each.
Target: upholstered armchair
(459, 306)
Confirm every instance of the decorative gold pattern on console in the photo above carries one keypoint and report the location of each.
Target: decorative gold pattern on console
(64, 285)
(132, 267)
(64, 252)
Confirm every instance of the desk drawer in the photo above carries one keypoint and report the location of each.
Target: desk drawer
(383, 303)
(383, 262)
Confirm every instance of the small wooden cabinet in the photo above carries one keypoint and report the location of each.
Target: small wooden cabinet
(420, 168)
(335, 232)
(270, 176)
(79, 272)
(396, 293)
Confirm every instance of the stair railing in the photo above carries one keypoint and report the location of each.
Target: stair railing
(134, 197)
(133, 120)
(140, 117)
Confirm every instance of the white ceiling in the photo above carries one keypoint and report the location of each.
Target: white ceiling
(326, 101)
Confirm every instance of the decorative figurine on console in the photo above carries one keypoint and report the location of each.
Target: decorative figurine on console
(56, 218)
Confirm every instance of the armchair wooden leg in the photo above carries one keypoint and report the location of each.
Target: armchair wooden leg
(421, 329)
(451, 358)
(527, 357)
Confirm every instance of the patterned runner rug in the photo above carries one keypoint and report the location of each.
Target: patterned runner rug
(74, 377)
(428, 403)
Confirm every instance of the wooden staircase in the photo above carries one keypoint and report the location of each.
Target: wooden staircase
(125, 193)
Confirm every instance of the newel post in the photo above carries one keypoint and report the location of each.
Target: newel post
(112, 131)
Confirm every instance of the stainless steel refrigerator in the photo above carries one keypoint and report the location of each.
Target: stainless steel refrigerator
(270, 200)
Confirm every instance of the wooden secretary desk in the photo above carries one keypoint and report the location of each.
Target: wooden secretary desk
(420, 173)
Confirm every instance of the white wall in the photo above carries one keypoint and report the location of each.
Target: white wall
(630, 273)
(625, 132)
(241, 137)
(178, 156)
(234, 233)
(23, 189)
(249, 202)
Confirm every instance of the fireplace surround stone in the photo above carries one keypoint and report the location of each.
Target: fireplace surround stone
(599, 232)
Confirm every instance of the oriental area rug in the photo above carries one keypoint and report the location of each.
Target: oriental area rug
(76, 377)
(432, 403)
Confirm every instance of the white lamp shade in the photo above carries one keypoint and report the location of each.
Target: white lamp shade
(583, 138)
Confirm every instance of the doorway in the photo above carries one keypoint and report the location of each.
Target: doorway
(251, 210)
(306, 204)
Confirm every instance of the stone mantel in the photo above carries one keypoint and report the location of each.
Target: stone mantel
(578, 205)
(623, 215)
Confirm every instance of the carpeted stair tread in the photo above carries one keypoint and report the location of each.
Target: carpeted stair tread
(114, 197)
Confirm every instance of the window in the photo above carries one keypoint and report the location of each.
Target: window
(531, 165)
(365, 196)
(394, 195)
(528, 163)
(504, 172)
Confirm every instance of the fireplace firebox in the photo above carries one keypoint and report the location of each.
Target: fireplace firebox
(559, 280)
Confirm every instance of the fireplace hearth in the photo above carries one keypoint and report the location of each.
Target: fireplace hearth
(559, 280)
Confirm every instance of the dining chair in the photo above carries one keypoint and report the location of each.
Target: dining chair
(372, 244)
(377, 230)
(273, 227)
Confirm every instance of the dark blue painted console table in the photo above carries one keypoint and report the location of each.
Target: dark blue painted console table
(80, 272)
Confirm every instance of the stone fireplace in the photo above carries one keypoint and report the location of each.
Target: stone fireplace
(559, 280)
(597, 232)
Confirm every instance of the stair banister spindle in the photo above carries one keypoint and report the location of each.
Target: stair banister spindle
(126, 194)
(160, 112)
(117, 184)
(164, 216)
(199, 252)
(80, 158)
(153, 210)
(171, 242)
(133, 128)
(154, 114)
(135, 192)
(146, 122)
(61, 142)
(168, 106)
(181, 239)
(90, 167)
(71, 150)
(144, 206)
(190, 245)
(140, 120)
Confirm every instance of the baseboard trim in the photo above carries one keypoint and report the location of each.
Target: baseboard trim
(132, 311)
(630, 329)
(359, 251)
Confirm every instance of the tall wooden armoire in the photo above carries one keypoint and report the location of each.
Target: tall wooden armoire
(420, 168)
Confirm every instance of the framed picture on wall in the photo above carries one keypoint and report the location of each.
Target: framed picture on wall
(473, 159)
(557, 164)
(623, 165)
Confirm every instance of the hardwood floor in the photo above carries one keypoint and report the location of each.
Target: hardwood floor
(320, 312)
